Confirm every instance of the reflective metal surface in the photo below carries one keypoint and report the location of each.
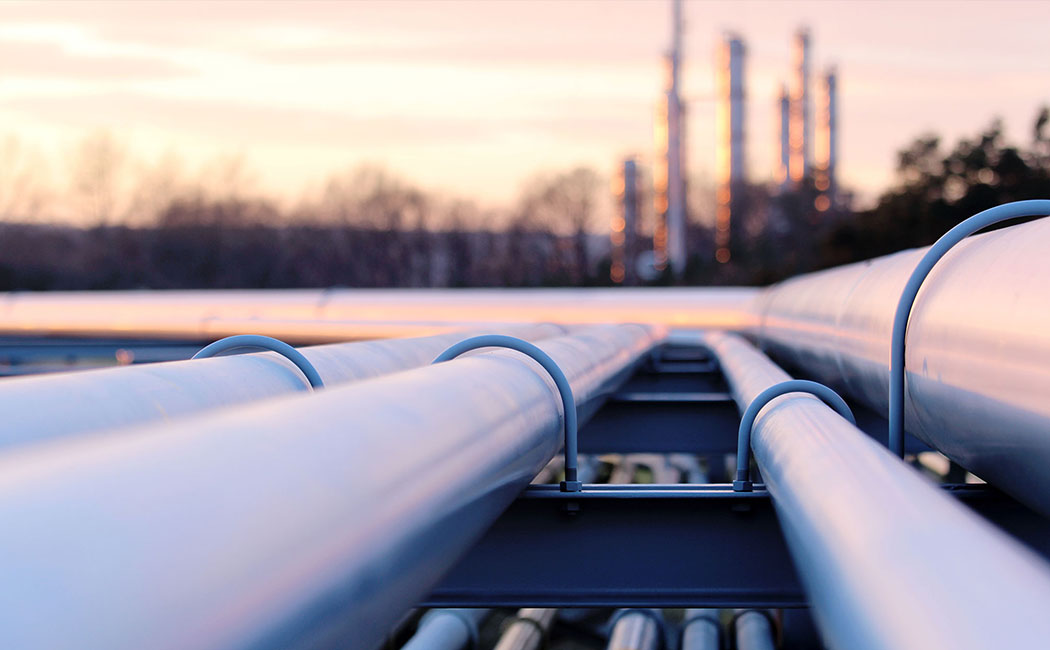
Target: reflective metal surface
(887, 559)
(977, 357)
(636, 630)
(52, 406)
(530, 634)
(303, 316)
(307, 520)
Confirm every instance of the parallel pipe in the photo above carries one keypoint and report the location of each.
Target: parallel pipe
(887, 559)
(701, 630)
(977, 356)
(447, 629)
(454, 629)
(305, 520)
(46, 407)
(528, 629)
(753, 630)
(636, 629)
(304, 316)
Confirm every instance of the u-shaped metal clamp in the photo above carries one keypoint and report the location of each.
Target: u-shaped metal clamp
(992, 216)
(747, 421)
(264, 343)
(571, 482)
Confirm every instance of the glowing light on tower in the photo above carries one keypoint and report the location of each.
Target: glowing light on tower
(624, 225)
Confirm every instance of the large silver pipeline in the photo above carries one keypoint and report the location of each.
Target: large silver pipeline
(304, 316)
(46, 407)
(299, 521)
(887, 559)
(978, 348)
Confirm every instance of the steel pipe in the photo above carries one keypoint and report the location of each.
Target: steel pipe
(888, 559)
(312, 316)
(636, 629)
(447, 629)
(47, 407)
(753, 630)
(571, 482)
(898, 337)
(305, 520)
(701, 630)
(528, 629)
(977, 357)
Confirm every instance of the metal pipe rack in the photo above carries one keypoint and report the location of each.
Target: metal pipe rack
(888, 559)
(100, 400)
(310, 519)
(219, 503)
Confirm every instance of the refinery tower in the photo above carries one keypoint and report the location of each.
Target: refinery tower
(730, 166)
(669, 176)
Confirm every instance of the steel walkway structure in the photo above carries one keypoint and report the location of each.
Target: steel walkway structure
(170, 502)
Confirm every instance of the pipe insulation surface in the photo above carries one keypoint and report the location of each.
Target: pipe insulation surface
(338, 314)
(753, 631)
(528, 629)
(977, 355)
(636, 630)
(701, 630)
(46, 407)
(447, 629)
(308, 520)
(887, 559)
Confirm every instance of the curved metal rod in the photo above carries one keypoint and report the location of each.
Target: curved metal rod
(747, 421)
(1015, 210)
(264, 343)
(571, 482)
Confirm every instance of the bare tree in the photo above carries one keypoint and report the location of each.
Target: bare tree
(98, 167)
(564, 204)
(23, 173)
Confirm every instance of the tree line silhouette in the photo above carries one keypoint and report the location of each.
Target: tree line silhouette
(369, 229)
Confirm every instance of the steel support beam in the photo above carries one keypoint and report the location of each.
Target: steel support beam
(303, 521)
(887, 559)
(620, 546)
(746, 563)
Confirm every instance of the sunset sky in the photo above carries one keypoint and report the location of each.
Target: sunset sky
(471, 98)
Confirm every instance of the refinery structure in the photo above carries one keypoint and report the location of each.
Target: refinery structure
(806, 152)
(849, 459)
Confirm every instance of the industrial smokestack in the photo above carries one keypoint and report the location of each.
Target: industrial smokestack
(827, 141)
(730, 168)
(784, 143)
(669, 238)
